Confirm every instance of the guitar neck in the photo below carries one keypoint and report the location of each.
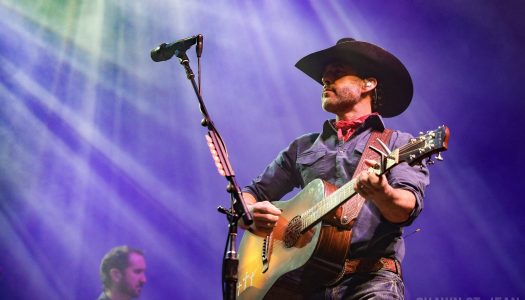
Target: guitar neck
(314, 214)
(413, 152)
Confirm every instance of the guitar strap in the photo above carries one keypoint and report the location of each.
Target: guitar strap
(351, 208)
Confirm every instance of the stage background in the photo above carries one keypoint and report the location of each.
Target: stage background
(100, 146)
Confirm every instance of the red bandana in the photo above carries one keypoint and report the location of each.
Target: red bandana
(349, 127)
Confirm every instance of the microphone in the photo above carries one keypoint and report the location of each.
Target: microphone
(166, 51)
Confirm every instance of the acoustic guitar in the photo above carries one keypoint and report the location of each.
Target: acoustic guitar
(301, 252)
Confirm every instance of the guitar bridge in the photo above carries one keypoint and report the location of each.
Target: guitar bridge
(266, 252)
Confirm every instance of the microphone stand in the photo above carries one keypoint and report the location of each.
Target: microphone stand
(238, 207)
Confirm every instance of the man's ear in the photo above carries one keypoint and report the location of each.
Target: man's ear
(115, 274)
(369, 84)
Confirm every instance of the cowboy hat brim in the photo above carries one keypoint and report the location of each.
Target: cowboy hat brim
(370, 61)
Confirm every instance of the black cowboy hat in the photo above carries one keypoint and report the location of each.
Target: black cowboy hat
(369, 61)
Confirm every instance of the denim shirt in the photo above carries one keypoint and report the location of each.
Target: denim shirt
(322, 155)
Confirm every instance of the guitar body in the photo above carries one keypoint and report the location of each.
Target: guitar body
(270, 268)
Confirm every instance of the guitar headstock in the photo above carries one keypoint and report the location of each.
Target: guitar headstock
(425, 145)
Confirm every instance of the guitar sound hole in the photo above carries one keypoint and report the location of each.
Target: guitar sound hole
(293, 232)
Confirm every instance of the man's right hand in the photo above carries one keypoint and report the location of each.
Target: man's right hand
(265, 215)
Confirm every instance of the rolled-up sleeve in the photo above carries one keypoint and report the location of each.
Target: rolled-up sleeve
(412, 178)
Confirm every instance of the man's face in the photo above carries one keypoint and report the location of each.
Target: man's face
(342, 88)
(133, 277)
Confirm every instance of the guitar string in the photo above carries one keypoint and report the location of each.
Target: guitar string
(329, 203)
(409, 147)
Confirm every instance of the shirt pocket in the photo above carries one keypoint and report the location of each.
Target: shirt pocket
(312, 165)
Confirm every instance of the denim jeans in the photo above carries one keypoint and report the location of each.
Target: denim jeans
(376, 285)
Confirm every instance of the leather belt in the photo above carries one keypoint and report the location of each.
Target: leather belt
(367, 265)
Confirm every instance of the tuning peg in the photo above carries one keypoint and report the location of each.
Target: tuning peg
(430, 161)
(439, 157)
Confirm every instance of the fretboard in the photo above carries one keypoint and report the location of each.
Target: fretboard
(315, 213)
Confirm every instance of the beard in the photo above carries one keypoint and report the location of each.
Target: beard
(132, 291)
(338, 100)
